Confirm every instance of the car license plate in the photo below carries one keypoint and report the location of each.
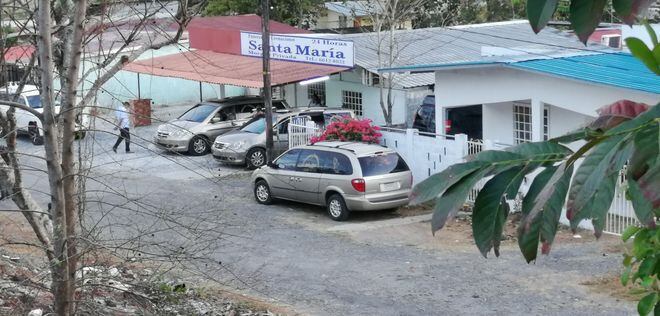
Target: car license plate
(384, 187)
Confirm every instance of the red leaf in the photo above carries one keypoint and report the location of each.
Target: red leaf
(623, 108)
(545, 248)
(617, 113)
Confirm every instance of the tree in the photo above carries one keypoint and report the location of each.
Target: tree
(622, 142)
(300, 13)
(63, 28)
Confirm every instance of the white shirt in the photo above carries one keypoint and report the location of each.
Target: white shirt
(122, 117)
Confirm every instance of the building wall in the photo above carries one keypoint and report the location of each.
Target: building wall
(498, 121)
(498, 84)
(162, 90)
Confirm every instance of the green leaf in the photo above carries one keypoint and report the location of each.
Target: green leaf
(656, 54)
(539, 12)
(585, 17)
(649, 184)
(622, 7)
(528, 231)
(625, 275)
(629, 232)
(541, 150)
(651, 114)
(642, 206)
(604, 160)
(647, 303)
(647, 266)
(553, 209)
(646, 151)
(453, 198)
(598, 206)
(436, 184)
(580, 134)
(488, 214)
(642, 52)
(650, 30)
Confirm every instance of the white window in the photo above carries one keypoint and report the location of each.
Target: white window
(370, 78)
(316, 90)
(353, 101)
(343, 21)
(522, 123)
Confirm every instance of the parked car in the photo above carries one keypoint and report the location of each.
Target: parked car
(342, 176)
(195, 130)
(247, 145)
(425, 115)
(26, 122)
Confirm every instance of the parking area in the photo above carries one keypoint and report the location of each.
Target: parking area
(380, 263)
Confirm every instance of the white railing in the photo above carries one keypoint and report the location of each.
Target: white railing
(621, 213)
(301, 130)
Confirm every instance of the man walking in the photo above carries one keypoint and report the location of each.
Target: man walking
(123, 124)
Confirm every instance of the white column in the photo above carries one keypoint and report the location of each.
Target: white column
(439, 117)
(537, 120)
(221, 91)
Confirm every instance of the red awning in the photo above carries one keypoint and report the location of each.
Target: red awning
(21, 53)
(219, 68)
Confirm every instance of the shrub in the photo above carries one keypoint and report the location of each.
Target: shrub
(350, 130)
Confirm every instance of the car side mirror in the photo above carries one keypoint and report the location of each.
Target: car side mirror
(273, 165)
(215, 120)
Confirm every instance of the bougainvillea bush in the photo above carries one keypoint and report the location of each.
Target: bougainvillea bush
(349, 129)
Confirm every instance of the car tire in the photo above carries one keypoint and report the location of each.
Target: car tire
(336, 207)
(262, 193)
(255, 158)
(199, 146)
(79, 135)
(35, 137)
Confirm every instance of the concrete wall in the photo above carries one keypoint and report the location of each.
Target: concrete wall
(352, 81)
(162, 90)
(498, 121)
(499, 84)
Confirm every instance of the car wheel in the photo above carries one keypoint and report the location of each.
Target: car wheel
(80, 135)
(256, 158)
(35, 137)
(262, 193)
(337, 209)
(198, 146)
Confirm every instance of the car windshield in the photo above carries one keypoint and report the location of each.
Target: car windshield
(377, 165)
(198, 113)
(34, 101)
(257, 126)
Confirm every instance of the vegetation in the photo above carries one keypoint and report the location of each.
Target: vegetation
(350, 130)
(622, 143)
(300, 13)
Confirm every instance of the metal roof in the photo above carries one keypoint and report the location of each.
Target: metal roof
(466, 44)
(219, 68)
(617, 69)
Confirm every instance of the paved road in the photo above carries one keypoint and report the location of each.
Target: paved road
(294, 255)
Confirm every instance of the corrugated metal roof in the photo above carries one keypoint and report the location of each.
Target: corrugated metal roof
(219, 68)
(469, 44)
(619, 70)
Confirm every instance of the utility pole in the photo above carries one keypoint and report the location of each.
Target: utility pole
(268, 99)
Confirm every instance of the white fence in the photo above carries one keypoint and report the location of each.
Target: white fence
(301, 130)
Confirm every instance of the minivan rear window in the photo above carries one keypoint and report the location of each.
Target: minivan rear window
(382, 164)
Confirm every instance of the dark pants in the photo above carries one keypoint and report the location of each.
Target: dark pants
(126, 137)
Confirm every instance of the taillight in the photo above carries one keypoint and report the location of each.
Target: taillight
(359, 185)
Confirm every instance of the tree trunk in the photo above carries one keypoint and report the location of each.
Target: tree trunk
(59, 266)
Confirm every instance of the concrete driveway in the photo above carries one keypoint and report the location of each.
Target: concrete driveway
(375, 264)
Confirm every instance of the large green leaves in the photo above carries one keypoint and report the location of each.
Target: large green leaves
(539, 12)
(547, 194)
(436, 184)
(585, 17)
(639, 49)
(643, 207)
(491, 210)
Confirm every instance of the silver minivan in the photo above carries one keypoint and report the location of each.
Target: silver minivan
(247, 145)
(195, 130)
(342, 176)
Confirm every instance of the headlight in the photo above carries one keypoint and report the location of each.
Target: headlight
(237, 145)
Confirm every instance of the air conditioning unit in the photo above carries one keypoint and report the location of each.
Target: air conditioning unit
(611, 40)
